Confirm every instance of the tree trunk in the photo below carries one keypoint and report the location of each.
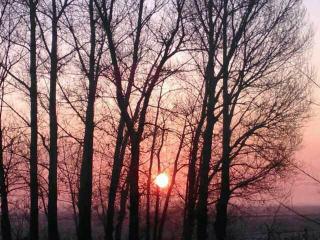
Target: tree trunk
(220, 224)
(34, 209)
(173, 180)
(5, 220)
(53, 233)
(115, 177)
(154, 138)
(202, 215)
(222, 204)
(210, 84)
(156, 214)
(122, 212)
(85, 191)
(157, 205)
(191, 189)
(189, 217)
(134, 188)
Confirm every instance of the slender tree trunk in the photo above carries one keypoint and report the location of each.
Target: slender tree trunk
(148, 222)
(53, 233)
(134, 188)
(122, 212)
(220, 224)
(115, 177)
(222, 204)
(189, 216)
(191, 189)
(73, 198)
(135, 136)
(173, 180)
(157, 205)
(202, 207)
(156, 214)
(85, 191)
(211, 83)
(135, 139)
(34, 209)
(202, 215)
(154, 138)
(5, 220)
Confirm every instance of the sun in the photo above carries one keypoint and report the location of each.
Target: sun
(162, 180)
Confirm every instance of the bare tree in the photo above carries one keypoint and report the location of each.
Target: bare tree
(119, 152)
(211, 92)
(172, 183)
(56, 13)
(168, 48)
(91, 69)
(5, 220)
(34, 211)
(254, 73)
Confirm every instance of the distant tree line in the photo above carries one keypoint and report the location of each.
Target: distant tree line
(98, 97)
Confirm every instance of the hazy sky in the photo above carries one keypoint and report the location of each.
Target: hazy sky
(306, 190)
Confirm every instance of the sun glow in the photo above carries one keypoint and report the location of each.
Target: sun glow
(162, 180)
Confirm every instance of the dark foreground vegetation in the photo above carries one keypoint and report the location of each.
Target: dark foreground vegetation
(98, 97)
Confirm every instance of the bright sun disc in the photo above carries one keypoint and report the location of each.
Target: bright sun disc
(162, 180)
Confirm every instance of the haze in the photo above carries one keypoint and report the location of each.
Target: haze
(307, 191)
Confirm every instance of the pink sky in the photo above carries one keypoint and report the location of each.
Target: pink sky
(307, 191)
